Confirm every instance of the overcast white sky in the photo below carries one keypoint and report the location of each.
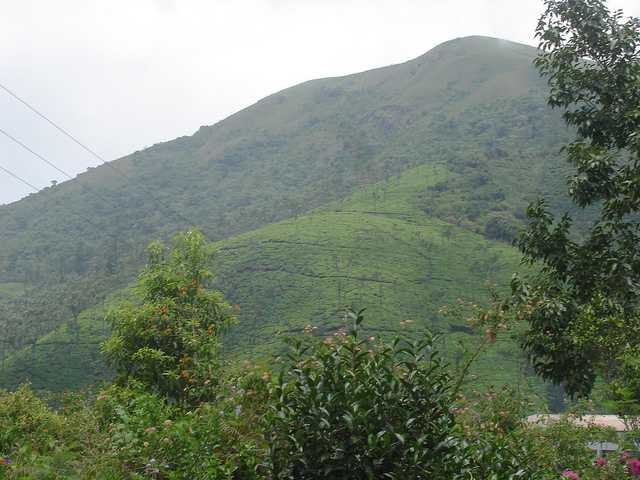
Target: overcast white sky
(123, 75)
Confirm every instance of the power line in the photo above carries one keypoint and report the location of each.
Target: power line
(52, 123)
(51, 164)
(20, 179)
(94, 154)
(48, 162)
(36, 189)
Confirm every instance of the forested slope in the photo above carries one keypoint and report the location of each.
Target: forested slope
(375, 249)
(474, 106)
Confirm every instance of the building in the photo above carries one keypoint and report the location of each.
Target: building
(601, 448)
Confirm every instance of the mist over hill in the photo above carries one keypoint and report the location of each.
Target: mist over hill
(397, 189)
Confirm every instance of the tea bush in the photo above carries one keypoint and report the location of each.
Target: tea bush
(490, 440)
(37, 442)
(348, 407)
(153, 438)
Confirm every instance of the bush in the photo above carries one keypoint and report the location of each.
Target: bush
(562, 445)
(25, 419)
(151, 437)
(355, 408)
(37, 442)
(492, 443)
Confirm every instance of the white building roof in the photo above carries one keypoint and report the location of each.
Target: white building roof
(607, 421)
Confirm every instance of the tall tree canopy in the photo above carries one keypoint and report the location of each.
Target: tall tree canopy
(582, 305)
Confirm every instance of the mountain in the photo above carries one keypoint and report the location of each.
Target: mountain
(397, 189)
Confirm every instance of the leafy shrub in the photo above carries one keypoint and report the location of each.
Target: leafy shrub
(495, 458)
(155, 439)
(355, 408)
(24, 418)
(494, 411)
(562, 445)
(37, 442)
(490, 441)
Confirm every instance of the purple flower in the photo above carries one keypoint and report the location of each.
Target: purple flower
(634, 467)
(601, 462)
(571, 475)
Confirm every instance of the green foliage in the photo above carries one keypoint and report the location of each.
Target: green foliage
(496, 441)
(562, 445)
(472, 107)
(169, 341)
(375, 248)
(39, 443)
(25, 419)
(491, 440)
(153, 439)
(129, 433)
(495, 458)
(582, 308)
(345, 407)
(357, 408)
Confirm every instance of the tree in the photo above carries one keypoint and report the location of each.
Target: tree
(168, 339)
(582, 305)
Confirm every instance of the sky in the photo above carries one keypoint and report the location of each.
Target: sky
(123, 75)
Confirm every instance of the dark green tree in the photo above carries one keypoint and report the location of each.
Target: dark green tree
(582, 305)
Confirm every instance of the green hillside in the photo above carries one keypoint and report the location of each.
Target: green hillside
(375, 249)
(260, 182)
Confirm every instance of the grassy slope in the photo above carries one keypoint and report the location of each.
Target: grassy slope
(375, 249)
(475, 104)
(466, 128)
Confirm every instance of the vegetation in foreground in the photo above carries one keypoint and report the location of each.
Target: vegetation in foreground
(343, 406)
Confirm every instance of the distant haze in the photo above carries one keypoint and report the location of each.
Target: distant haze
(123, 75)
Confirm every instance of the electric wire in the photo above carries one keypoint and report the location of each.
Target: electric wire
(92, 152)
(36, 189)
(53, 165)
(20, 179)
